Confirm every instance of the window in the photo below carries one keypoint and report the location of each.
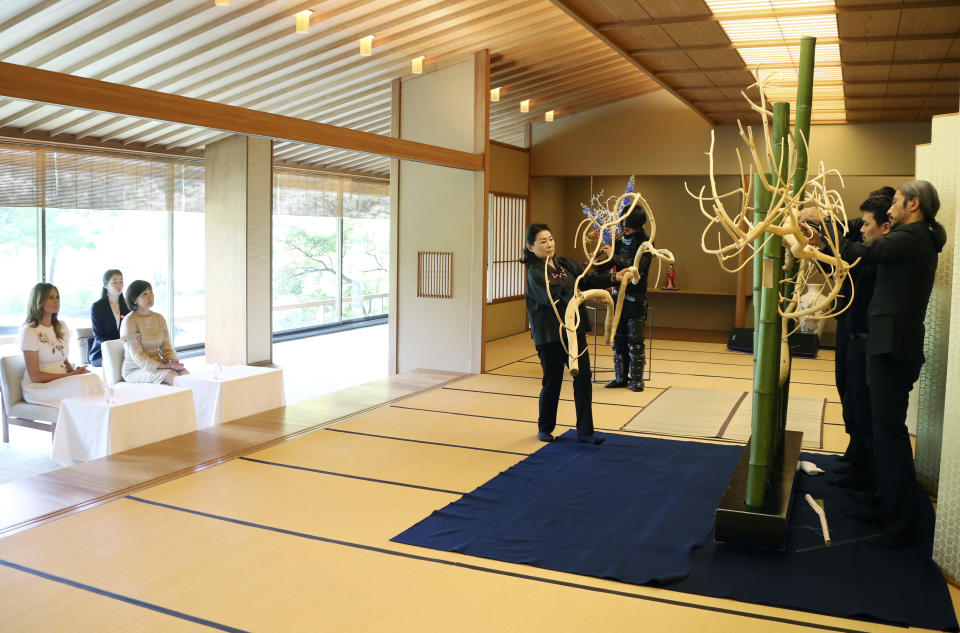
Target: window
(69, 215)
(507, 221)
(330, 249)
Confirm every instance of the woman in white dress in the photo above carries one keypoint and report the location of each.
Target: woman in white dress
(148, 355)
(45, 342)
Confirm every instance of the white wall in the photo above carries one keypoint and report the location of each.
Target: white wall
(439, 209)
(655, 134)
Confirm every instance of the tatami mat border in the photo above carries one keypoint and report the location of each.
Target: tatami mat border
(677, 373)
(683, 373)
(346, 476)
(733, 412)
(523, 395)
(663, 390)
(407, 439)
(122, 598)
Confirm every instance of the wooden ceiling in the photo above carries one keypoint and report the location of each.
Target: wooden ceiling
(248, 55)
(900, 61)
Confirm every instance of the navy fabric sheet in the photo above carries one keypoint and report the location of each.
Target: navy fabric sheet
(641, 511)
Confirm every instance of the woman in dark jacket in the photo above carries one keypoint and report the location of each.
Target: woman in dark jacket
(545, 329)
(105, 315)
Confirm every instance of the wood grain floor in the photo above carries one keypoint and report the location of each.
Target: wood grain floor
(289, 529)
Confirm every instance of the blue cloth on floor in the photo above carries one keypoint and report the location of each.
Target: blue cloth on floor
(641, 510)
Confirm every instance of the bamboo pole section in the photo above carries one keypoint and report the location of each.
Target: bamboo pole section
(801, 130)
(801, 124)
(761, 203)
(765, 422)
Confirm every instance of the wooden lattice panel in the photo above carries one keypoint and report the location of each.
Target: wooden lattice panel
(435, 275)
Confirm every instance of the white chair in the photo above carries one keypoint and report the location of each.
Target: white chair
(112, 354)
(84, 341)
(13, 409)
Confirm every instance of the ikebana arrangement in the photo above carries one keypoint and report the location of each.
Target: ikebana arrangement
(596, 234)
(766, 228)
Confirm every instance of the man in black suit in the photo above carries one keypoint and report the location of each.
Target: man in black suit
(906, 261)
(855, 395)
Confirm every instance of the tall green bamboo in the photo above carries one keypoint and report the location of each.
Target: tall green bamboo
(801, 131)
(765, 422)
(761, 204)
(801, 125)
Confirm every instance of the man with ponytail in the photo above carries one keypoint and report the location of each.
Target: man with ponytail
(906, 261)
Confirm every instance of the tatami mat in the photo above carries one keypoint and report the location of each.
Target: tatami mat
(493, 383)
(683, 411)
(513, 407)
(441, 467)
(446, 428)
(803, 414)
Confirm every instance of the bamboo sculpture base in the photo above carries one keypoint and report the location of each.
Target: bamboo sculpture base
(765, 528)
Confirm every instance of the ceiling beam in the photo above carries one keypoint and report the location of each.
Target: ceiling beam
(785, 65)
(43, 86)
(564, 5)
(67, 141)
(860, 82)
(779, 13)
(796, 42)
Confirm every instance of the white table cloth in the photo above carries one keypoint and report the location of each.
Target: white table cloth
(89, 427)
(241, 391)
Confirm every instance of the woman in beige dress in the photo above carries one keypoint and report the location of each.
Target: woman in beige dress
(148, 355)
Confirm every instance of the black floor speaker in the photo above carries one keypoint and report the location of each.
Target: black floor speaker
(802, 345)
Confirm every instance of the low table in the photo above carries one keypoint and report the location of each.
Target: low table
(89, 427)
(241, 391)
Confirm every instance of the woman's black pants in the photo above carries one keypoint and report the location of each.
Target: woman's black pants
(553, 360)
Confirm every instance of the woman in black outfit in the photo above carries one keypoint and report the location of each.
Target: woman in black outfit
(106, 313)
(545, 329)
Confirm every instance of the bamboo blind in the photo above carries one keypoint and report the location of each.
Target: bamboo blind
(435, 275)
(505, 273)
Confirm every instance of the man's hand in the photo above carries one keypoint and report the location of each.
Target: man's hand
(813, 235)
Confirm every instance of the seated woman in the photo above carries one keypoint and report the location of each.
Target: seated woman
(45, 342)
(105, 314)
(148, 355)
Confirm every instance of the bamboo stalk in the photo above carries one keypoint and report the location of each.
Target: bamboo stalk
(761, 203)
(765, 420)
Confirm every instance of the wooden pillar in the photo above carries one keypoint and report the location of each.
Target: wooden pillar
(239, 196)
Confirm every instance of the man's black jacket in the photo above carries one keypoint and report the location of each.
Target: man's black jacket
(906, 261)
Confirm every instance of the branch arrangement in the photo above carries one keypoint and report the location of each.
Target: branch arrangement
(736, 234)
(602, 222)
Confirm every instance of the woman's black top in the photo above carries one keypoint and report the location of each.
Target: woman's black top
(104, 326)
(544, 327)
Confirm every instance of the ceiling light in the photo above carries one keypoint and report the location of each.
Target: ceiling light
(495, 94)
(303, 21)
(525, 105)
(221, 3)
(416, 65)
(366, 45)
(548, 115)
